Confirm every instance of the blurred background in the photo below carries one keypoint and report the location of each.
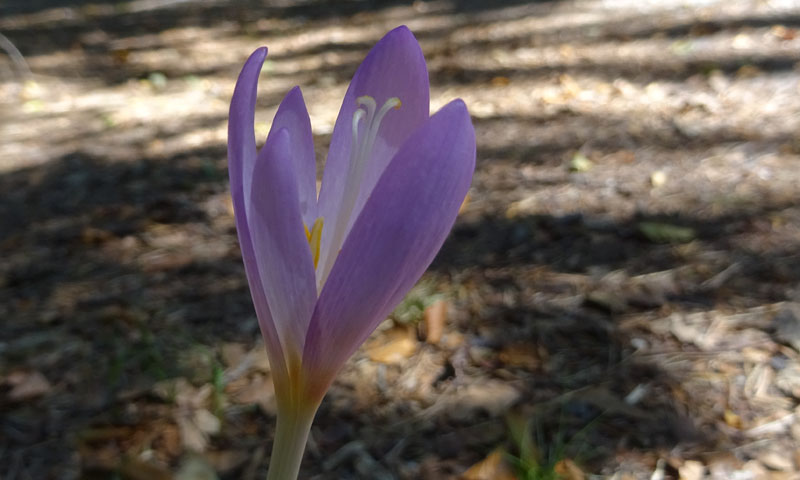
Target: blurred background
(619, 298)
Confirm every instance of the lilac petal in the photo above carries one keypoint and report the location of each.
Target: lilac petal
(281, 248)
(241, 160)
(241, 134)
(395, 67)
(293, 116)
(397, 235)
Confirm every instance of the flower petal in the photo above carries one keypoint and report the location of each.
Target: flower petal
(293, 116)
(241, 133)
(402, 226)
(241, 160)
(281, 248)
(395, 67)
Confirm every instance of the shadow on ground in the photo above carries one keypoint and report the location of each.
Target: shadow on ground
(120, 274)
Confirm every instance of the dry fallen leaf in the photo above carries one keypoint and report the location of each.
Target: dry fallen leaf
(233, 354)
(691, 470)
(783, 33)
(723, 465)
(170, 438)
(192, 437)
(206, 421)
(393, 346)
(732, 419)
(162, 260)
(756, 469)
(696, 329)
(492, 396)
(27, 385)
(523, 355)
(493, 467)
(463, 205)
(257, 389)
(568, 470)
(500, 81)
(776, 460)
(435, 318)
(185, 394)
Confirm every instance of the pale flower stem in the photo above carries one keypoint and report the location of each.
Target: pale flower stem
(291, 435)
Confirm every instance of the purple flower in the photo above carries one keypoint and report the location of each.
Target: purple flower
(325, 272)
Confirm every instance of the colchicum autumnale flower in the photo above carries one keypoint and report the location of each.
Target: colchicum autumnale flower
(324, 272)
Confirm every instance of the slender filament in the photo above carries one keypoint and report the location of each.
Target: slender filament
(366, 123)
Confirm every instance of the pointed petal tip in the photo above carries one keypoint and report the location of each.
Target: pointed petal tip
(293, 101)
(400, 30)
(399, 39)
(456, 113)
(260, 52)
(255, 61)
(244, 92)
(459, 102)
(241, 137)
(456, 106)
(400, 34)
(294, 92)
(293, 115)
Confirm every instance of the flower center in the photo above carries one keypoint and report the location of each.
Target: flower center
(366, 124)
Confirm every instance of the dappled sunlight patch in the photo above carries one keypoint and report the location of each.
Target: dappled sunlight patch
(557, 299)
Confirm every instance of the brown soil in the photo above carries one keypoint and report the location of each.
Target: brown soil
(624, 280)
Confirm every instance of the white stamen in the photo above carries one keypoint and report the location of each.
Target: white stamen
(356, 118)
(360, 151)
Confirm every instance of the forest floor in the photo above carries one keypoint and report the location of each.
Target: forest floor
(620, 297)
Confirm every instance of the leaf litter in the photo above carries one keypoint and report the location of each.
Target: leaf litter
(623, 275)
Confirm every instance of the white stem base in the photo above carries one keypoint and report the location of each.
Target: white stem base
(291, 435)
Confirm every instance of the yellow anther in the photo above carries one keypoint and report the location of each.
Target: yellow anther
(308, 234)
(314, 239)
